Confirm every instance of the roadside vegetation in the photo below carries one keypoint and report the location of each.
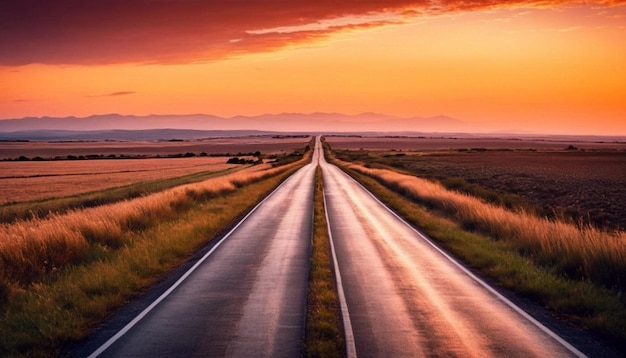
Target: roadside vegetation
(578, 186)
(286, 158)
(578, 272)
(62, 275)
(324, 330)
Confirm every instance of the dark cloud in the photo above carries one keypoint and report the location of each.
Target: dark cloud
(116, 94)
(175, 31)
(121, 93)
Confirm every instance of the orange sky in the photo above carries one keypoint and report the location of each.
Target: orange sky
(528, 66)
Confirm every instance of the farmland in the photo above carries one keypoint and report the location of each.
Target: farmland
(25, 181)
(63, 273)
(583, 183)
(215, 146)
(574, 270)
(109, 164)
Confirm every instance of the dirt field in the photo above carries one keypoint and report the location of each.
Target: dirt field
(587, 184)
(450, 143)
(31, 180)
(266, 145)
(23, 181)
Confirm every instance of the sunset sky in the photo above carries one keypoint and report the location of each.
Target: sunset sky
(529, 66)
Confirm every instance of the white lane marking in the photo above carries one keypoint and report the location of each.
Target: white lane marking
(164, 295)
(512, 305)
(347, 324)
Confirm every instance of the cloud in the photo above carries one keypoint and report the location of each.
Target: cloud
(121, 93)
(115, 94)
(179, 31)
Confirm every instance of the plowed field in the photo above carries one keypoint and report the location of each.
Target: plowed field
(585, 184)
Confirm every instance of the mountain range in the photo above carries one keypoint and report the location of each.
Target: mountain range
(283, 122)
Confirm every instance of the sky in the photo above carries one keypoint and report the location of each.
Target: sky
(535, 66)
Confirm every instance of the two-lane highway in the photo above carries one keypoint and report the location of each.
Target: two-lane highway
(245, 298)
(405, 298)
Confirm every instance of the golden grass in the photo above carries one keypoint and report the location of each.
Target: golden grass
(32, 248)
(83, 264)
(577, 252)
(24, 181)
(582, 302)
(41, 318)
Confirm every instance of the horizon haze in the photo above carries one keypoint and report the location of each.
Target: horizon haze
(193, 126)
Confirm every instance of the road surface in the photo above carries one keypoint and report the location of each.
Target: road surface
(245, 298)
(405, 298)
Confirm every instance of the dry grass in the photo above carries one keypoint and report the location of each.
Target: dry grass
(577, 252)
(586, 304)
(32, 248)
(577, 185)
(25, 181)
(43, 317)
(62, 275)
(324, 333)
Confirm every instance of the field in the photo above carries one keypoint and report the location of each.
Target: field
(124, 163)
(25, 181)
(576, 271)
(224, 146)
(61, 274)
(434, 143)
(586, 183)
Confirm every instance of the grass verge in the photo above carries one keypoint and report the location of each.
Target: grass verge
(41, 316)
(324, 332)
(588, 305)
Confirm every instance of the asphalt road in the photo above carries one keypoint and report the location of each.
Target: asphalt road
(405, 298)
(245, 298)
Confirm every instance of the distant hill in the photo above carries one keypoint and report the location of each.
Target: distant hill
(199, 126)
(283, 122)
